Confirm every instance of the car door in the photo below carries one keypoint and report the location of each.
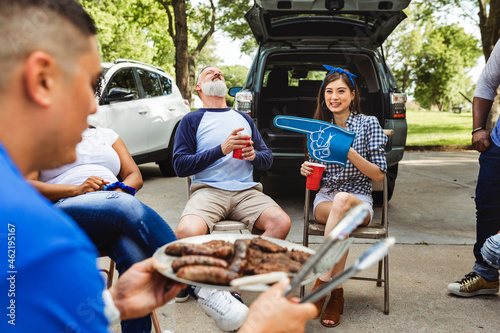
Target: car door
(360, 23)
(127, 118)
(162, 109)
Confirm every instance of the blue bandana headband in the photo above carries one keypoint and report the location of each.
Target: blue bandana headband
(111, 187)
(338, 70)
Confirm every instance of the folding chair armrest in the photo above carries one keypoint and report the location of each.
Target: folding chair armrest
(188, 184)
(305, 236)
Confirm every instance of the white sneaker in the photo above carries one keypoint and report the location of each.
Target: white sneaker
(227, 312)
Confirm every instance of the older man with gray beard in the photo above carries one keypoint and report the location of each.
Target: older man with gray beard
(204, 145)
(223, 186)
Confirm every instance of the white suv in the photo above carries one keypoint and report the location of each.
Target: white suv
(143, 105)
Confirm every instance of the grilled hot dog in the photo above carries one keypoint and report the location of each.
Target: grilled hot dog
(198, 260)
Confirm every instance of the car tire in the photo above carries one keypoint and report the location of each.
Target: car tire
(167, 165)
(167, 168)
(392, 173)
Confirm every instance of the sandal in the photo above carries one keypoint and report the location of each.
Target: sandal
(319, 303)
(334, 308)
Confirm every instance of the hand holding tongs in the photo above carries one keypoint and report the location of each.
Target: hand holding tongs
(371, 256)
(347, 224)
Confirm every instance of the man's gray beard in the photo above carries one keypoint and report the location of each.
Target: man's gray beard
(214, 88)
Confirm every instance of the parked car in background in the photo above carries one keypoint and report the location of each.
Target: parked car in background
(295, 39)
(143, 105)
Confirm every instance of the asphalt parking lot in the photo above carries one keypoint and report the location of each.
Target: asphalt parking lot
(432, 216)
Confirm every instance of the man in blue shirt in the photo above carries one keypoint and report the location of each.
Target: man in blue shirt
(223, 186)
(48, 275)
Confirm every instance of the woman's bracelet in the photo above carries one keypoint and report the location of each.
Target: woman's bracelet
(477, 129)
(128, 189)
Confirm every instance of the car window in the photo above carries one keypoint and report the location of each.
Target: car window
(277, 76)
(124, 79)
(291, 78)
(150, 82)
(166, 85)
(310, 75)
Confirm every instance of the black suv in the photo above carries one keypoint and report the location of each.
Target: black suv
(295, 39)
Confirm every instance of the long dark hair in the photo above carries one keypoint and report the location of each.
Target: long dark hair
(322, 112)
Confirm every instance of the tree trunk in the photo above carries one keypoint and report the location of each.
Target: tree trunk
(194, 56)
(406, 78)
(192, 75)
(181, 47)
(185, 63)
(489, 25)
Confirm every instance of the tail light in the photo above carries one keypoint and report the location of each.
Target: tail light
(398, 105)
(243, 101)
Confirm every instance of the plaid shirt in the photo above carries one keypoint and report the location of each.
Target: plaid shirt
(369, 143)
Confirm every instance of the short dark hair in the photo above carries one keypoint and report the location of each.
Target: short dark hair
(70, 10)
(54, 26)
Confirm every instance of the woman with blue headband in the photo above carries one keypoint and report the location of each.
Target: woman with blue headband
(345, 187)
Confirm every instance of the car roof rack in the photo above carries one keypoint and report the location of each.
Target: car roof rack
(121, 60)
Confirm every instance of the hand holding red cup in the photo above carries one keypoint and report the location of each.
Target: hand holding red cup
(314, 179)
(238, 153)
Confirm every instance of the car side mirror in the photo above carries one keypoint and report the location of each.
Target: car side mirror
(234, 90)
(117, 95)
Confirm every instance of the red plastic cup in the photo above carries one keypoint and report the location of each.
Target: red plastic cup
(238, 153)
(314, 179)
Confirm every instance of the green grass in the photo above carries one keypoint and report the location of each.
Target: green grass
(438, 128)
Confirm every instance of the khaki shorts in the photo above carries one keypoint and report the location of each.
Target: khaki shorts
(213, 204)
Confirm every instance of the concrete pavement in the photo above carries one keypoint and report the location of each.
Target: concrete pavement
(431, 215)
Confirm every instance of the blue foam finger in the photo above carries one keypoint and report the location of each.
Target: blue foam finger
(325, 142)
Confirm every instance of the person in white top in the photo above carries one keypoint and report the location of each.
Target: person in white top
(118, 224)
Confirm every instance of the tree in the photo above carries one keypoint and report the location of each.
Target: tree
(233, 23)
(488, 14)
(402, 47)
(132, 29)
(488, 21)
(235, 76)
(203, 22)
(431, 59)
(168, 33)
(441, 63)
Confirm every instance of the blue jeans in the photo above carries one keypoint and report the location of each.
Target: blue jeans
(491, 251)
(487, 208)
(123, 228)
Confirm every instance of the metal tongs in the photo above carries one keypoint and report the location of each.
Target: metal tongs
(322, 260)
(374, 254)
